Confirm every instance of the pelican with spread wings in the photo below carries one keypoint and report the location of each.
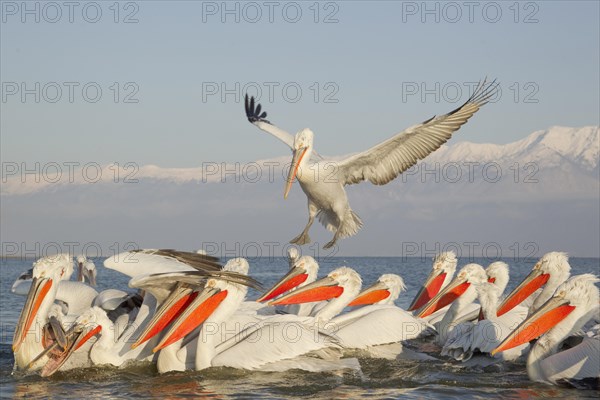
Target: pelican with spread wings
(323, 180)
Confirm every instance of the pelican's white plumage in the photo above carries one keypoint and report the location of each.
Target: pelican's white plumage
(460, 293)
(323, 181)
(385, 291)
(573, 304)
(485, 335)
(269, 342)
(368, 326)
(47, 273)
(550, 271)
(303, 271)
(442, 272)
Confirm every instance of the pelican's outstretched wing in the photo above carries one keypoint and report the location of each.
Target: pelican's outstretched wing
(387, 160)
(257, 118)
(198, 261)
(153, 261)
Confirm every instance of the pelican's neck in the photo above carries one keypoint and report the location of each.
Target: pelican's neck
(109, 336)
(489, 295)
(447, 324)
(335, 306)
(213, 328)
(167, 358)
(388, 300)
(550, 342)
(543, 348)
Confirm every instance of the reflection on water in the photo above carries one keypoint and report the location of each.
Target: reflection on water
(378, 379)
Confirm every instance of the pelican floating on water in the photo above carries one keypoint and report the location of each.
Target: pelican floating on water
(460, 293)
(550, 271)
(323, 181)
(368, 326)
(385, 291)
(442, 272)
(303, 271)
(115, 345)
(573, 304)
(47, 272)
(86, 270)
(484, 335)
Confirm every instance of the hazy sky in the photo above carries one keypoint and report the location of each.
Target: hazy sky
(373, 58)
(162, 83)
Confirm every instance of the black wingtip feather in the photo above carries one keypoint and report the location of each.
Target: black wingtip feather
(254, 113)
(481, 95)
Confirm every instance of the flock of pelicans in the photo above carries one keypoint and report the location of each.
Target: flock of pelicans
(190, 312)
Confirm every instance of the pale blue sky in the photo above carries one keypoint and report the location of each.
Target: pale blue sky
(369, 55)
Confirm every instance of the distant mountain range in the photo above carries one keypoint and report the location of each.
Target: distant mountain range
(560, 161)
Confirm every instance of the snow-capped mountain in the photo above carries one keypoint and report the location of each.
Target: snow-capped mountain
(560, 160)
(534, 195)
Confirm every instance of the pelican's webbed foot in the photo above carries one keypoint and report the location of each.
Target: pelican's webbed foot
(331, 243)
(301, 239)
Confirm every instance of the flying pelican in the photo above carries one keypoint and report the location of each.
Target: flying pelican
(484, 335)
(573, 304)
(550, 271)
(323, 181)
(459, 293)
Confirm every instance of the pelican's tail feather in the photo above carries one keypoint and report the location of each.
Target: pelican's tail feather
(349, 226)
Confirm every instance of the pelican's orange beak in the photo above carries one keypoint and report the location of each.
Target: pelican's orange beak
(453, 291)
(169, 310)
(549, 315)
(430, 288)
(323, 289)
(371, 295)
(296, 159)
(535, 280)
(295, 277)
(198, 311)
(37, 293)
